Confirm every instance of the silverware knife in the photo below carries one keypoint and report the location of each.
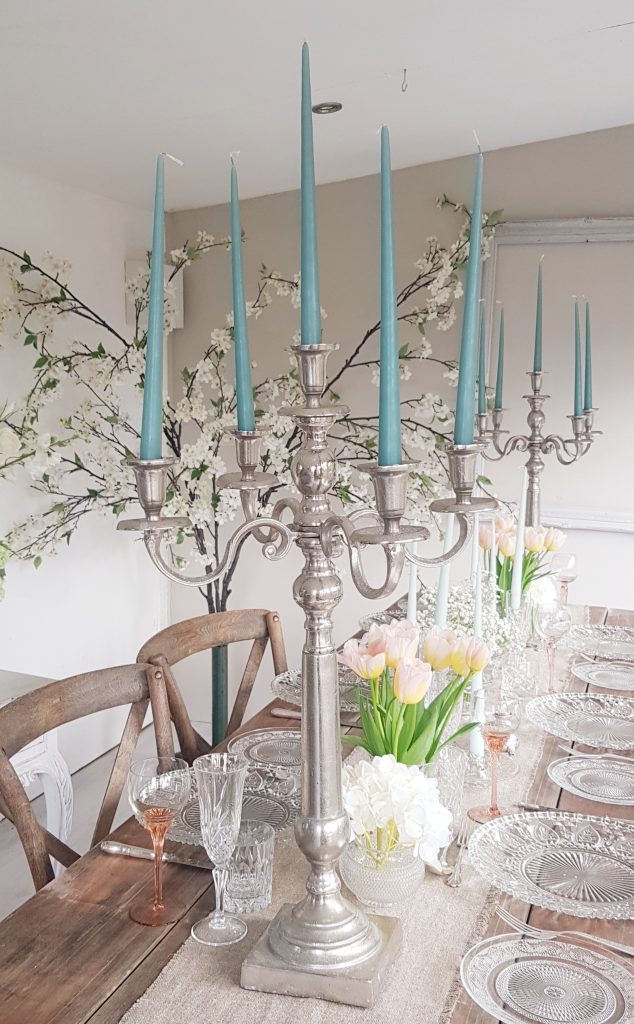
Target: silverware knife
(348, 718)
(109, 846)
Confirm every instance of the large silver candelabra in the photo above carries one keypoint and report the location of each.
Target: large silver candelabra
(536, 443)
(324, 946)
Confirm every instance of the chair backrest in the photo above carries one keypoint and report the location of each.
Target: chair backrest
(203, 633)
(67, 700)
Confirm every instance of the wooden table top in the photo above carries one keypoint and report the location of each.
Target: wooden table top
(71, 955)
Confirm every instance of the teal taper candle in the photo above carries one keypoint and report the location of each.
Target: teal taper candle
(465, 401)
(389, 376)
(537, 356)
(310, 309)
(244, 387)
(499, 383)
(587, 398)
(152, 422)
(578, 405)
(482, 382)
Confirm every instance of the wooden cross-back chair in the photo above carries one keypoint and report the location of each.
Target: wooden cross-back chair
(203, 633)
(67, 700)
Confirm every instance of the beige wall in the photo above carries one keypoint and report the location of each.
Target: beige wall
(582, 176)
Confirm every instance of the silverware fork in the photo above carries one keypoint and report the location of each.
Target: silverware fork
(547, 933)
(462, 842)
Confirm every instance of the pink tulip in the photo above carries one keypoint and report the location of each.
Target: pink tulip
(485, 536)
(411, 681)
(504, 524)
(554, 539)
(534, 539)
(356, 657)
(471, 655)
(376, 639)
(402, 642)
(506, 544)
(438, 647)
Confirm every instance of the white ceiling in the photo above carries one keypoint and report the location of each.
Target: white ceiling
(92, 90)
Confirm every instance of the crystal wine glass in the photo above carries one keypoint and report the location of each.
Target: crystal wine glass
(220, 780)
(501, 720)
(564, 567)
(552, 623)
(158, 787)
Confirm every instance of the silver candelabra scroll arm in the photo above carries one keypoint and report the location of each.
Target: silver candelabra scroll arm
(270, 549)
(342, 528)
(151, 479)
(465, 525)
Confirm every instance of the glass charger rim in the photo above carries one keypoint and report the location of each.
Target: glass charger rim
(529, 891)
(571, 760)
(264, 733)
(584, 670)
(560, 728)
(514, 939)
(188, 835)
(288, 686)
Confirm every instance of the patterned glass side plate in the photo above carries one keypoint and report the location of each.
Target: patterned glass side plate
(570, 863)
(288, 686)
(606, 781)
(273, 747)
(536, 981)
(609, 642)
(596, 719)
(610, 677)
(382, 618)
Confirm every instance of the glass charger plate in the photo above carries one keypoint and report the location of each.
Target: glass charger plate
(610, 676)
(596, 719)
(288, 686)
(273, 747)
(538, 981)
(255, 806)
(571, 863)
(609, 642)
(607, 780)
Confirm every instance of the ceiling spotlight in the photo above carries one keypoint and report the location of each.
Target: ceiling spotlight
(327, 108)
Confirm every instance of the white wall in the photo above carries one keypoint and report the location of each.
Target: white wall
(585, 175)
(94, 603)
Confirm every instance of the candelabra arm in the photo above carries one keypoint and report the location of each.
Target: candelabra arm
(271, 550)
(249, 501)
(465, 526)
(341, 528)
(516, 443)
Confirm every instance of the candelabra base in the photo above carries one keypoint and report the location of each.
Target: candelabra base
(359, 984)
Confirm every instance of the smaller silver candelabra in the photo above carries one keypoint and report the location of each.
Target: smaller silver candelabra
(536, 443)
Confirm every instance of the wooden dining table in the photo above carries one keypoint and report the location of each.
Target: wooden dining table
(71, 954)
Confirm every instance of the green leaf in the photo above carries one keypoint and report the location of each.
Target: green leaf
(403, 351)
(37, 561)
(355, 741)
(30, 339)
(484, 481)
(41, 361)
(494, 218)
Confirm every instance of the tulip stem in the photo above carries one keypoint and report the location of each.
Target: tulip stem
(397, 729)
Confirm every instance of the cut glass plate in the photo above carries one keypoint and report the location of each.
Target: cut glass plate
(596, 719)
(606, 780)
(544, 981)
(609, 676)
(255, 806)
(609, 642)
(570, 863)
(272, 747)
(288, 686)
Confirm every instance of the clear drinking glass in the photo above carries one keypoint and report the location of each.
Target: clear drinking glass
(220, 781)
(157, 788)
(501, 720)
(450, 770)
(552, 623)
(564, 567)
(250, 883)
